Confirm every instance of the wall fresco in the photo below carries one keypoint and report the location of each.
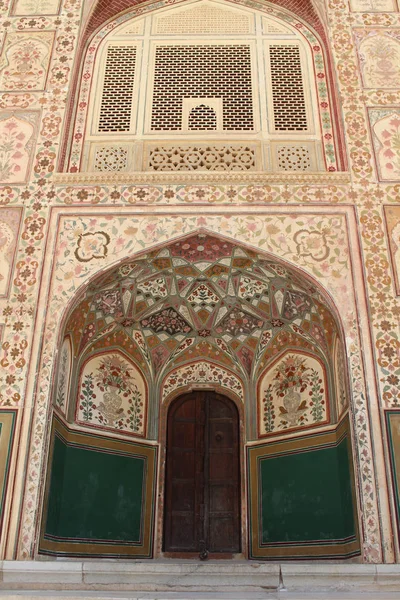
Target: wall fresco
(35, 7)
(202, 372)
(392, 218)
(379, 53)
(361, 198)
(112, 395)
(24, 60)
(10, 219)
(17, 138)
(385, 126)
(293, 394)
(373, 5)
(341, 384)
(63, 376)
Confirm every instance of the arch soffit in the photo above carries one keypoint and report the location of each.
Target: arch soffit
(307, 289)
(102, 11)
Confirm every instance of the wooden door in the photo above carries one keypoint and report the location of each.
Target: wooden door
(202, 500)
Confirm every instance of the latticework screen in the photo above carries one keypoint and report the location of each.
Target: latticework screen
(289, 104)
(200, 71)
(207, 86)
(117, 96)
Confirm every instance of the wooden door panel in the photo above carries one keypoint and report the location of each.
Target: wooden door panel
(183, 496)
(220, 468)
(184, 434)
(183, 528)
(183, 464)
(221, 434)
(223, 537)
(202, 502)
(222, 498)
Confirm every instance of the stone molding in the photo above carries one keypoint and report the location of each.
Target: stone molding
(193, 576)
(180, 177)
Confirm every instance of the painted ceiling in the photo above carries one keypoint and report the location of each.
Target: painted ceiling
(202, 297)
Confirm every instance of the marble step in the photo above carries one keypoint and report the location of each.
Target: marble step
(211, 580)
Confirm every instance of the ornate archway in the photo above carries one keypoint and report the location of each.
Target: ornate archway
(204, 312)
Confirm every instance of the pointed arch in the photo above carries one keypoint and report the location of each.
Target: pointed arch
(288, 158)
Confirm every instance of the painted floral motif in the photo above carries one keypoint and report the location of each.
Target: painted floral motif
(312, 244)
(167, 320)
(36, 7)
(6, 241)
(24, 61)
(342, 400)
(380, 54)
(251, 288)
(64, 368)
(203, 297)
(387, 142)
(373, 5)
(200, 248)
(112, 395)
(92, 245)
(202, 372)
(295, 305)
(15, 143)
(293, 394)
(239, 321)
(109, 303)
(392, 217)
(156, 288)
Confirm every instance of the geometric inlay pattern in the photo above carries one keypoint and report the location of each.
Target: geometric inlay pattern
(206, 157)
(111, 158)
(203, 298)
(293, 158)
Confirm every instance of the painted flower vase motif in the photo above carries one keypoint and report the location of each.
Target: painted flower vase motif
(291, 378)
(111, 407)
(294, 407)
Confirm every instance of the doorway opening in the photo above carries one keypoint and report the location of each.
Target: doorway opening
(202, 492)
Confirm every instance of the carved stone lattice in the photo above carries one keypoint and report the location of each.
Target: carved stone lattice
(205, 158)
(116, 101)
(199, 71)
(202, 118)
(290, 112)
(293, 158)
(111, 158)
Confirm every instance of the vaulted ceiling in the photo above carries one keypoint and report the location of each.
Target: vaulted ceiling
(205, 297)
